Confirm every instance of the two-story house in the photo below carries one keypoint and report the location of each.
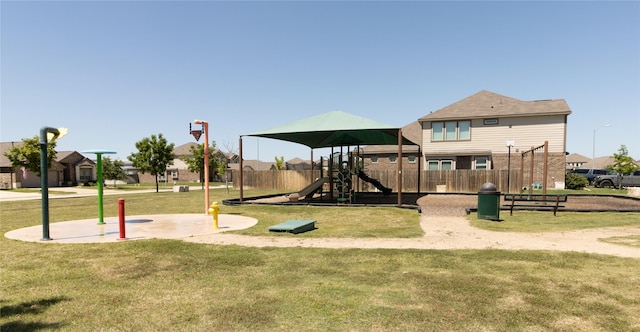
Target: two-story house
(485, 130)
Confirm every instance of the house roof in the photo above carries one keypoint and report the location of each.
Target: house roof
(297, 160)
(486, 104)
(334, 128)
(4, 148)
(577, 158)
(184, 149)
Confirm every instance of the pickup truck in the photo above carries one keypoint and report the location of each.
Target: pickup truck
(615, 180)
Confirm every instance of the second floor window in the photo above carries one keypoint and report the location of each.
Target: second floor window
(451, 131)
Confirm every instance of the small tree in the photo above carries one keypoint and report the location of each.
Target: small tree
(279, 163)
(28, 155)
(153, 156)
(195, 162)
(623, 163)
(112, 170)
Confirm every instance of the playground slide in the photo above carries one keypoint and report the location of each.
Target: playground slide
(374, 182)
(310, 189)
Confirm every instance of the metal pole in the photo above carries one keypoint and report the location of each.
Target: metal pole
(121, 223)
(205, 125)
(509, 170)
(241, 184)
(593, 152)
(44, 185)
(100, 205)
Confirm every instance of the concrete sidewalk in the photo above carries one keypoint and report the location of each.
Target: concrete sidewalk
(70, 192)
(173, 226)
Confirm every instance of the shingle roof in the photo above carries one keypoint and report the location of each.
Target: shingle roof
(577, 158)
(184, 149)
(6, 147)
(486, 104)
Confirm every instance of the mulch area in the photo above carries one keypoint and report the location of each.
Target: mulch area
(451, 204)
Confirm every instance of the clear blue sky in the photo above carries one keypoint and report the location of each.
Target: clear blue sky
(114, 72)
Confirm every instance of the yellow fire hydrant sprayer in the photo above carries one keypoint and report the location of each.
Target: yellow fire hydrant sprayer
(214, 210)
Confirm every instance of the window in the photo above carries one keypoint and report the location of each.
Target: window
(440, 165)
(451, 131)
(464, 130)
(436, 131)
(411, 159)
(393, 159)
(481, 162)
(86, 174)
(174, 175)
(374, 159)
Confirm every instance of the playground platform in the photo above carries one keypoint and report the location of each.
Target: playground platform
(172, 226)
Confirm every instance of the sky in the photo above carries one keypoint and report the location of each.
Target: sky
(115, 72)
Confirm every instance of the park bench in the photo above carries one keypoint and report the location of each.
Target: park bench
(534, 201)
(294, 226)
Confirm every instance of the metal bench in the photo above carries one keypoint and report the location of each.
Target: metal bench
(541, 202)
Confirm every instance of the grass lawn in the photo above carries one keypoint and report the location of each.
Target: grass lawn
(155, 285)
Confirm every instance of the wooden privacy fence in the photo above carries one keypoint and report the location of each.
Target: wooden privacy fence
(466, 181)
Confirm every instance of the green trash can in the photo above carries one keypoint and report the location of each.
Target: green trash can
(489, 202)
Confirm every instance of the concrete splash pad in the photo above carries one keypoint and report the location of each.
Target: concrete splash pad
(172, 226)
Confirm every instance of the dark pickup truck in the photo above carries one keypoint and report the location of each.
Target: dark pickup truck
(590, 173)
(616, 180)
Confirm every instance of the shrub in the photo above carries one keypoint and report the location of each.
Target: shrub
(575, 181)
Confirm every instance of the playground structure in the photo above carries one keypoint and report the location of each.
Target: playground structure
(537, 177)
(332, 130)
(343, 184)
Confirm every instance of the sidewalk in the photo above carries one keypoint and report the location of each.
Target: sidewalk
(70, 192)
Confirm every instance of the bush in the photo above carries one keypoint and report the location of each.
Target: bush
(575, 181)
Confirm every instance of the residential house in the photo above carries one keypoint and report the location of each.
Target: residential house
(179, 171)
(70, 168)
(491, 131)
(384, 157)
(575, 160)
(78, 169)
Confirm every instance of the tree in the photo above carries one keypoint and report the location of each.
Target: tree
(623, 163)
(279, 163)
(112, 170)
(153, 156)
(195, 162)
(28, 155)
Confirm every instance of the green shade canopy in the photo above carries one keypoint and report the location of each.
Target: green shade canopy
(334, 128)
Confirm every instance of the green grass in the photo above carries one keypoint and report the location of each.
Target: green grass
(156, 285)
(544, 221)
